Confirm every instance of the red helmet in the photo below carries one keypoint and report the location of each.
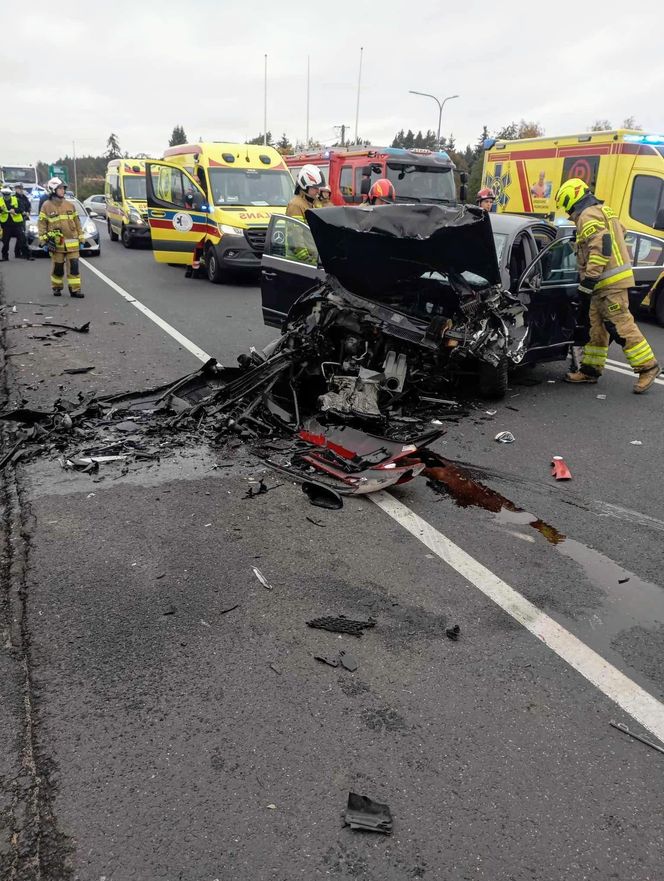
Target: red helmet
(485, 193)
(382, 191)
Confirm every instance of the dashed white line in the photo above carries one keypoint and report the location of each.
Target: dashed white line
(629, 696)
(164, 325)
(633, 699)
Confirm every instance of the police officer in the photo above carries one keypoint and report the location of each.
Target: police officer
(60, 231)
(606, 277)
(11, 219)
(24, 208)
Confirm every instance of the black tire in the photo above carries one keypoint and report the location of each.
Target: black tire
(659, 306)
(214, 271)
(113, 236)
(126, 238)
(493, 380)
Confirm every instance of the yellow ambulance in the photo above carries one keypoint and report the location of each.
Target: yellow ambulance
(126, 204)
(624, 168)
(214, 201)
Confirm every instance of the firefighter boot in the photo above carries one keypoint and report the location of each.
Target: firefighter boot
(646, 379)
(578, 376)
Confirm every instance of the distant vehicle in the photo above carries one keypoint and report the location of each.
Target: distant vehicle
(19, 174)
(418, 175)
(126, 205)
(90, 247)
(216, 198)
(624, 167)
(96, 205)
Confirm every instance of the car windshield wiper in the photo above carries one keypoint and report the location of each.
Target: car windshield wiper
(409, 198)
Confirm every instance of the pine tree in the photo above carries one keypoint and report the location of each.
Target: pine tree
(113, 149)
(178, 136)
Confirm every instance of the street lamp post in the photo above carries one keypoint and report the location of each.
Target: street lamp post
(440, 104)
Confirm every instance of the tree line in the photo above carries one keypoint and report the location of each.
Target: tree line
(91, 170)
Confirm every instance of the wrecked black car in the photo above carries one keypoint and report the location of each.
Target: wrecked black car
(399, 298)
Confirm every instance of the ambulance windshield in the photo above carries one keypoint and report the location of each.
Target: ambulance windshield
(134, 187)
(248, 186)
(422, 183)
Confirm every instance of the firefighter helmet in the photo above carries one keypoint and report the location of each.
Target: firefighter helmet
(485, 193)
(571, 192)
(382, 191)
(6, 191)
(54, 183)
(309, 176)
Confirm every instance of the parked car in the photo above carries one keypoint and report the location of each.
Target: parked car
(90, 247)
(492, 291)
(96, 205)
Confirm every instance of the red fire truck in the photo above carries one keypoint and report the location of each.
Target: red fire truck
(417, 175)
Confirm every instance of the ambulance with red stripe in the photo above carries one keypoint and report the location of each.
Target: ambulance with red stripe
(126, 208)
(624, 168)
(211, 203)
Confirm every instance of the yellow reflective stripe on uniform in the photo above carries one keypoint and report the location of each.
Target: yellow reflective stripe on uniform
(639, 354)
(614, 275)
(598, 259)
(595, 356)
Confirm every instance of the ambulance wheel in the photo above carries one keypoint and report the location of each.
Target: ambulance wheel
(214, 271)
(126, 238)
(112, 235)
(493, 380)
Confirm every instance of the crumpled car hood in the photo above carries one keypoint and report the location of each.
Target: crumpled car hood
(370, 248)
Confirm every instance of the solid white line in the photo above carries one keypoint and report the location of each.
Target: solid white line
(633, 699)
(164, 325)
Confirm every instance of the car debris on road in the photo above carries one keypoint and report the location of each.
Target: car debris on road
(365, 814)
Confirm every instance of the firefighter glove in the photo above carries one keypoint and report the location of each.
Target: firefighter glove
(586, 286)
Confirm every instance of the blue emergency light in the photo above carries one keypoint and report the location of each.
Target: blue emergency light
(644, 139)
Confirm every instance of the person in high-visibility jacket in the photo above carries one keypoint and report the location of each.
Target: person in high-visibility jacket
(11, 219)
(605, 277)
(308, 182)
(61, 233)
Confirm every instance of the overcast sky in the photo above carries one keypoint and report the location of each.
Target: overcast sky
(139, 68)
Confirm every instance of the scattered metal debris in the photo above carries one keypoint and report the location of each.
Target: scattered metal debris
(636, 443)
(325, 659)
(368, 815)
(341, 624)
(625, 730)
(322, 496)
(263, 580)
(505, 437)
(79, 369)
(559, 469)
(453, 632)
(348, 661)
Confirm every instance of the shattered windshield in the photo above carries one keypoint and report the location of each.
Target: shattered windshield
(249, 186)
(422, 183)
(134, 187)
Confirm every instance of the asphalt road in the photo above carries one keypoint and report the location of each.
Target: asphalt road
(149, 732)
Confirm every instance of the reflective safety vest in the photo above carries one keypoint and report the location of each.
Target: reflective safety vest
(7, 202)
(601, 250)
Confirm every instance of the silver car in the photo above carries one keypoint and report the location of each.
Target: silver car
(95, 205)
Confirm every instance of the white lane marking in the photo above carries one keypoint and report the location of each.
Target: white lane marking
(633, 699)
(164, 325)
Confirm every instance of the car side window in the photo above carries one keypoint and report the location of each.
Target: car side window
(346, 183)
(291, 239)
(649, 252)
(170, 185)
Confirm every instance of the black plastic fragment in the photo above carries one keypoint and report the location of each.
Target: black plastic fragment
(79, 369)
(331, 662)
(453, 632)
(368, 815)
(322, 496)
(341, 625)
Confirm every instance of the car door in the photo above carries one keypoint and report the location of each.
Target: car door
(548, 288)
(177, 212)
(289, 267)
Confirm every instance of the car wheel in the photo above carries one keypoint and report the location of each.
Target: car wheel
(659, 306)
(126, 238)
(493, 380)
(214, 271)
(113, 236)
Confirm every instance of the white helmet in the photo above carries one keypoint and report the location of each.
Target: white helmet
(54, 183)
(309, 176)
(6, 191)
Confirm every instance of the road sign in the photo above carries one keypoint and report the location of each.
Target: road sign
(59, 171)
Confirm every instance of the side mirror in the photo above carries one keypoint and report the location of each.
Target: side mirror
(89, 210)
(659, 220)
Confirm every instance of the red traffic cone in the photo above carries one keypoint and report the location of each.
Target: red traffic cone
(559, 469)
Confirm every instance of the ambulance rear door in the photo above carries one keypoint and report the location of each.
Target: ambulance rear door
(178, 212)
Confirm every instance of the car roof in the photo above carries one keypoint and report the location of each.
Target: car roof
(510, 224)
